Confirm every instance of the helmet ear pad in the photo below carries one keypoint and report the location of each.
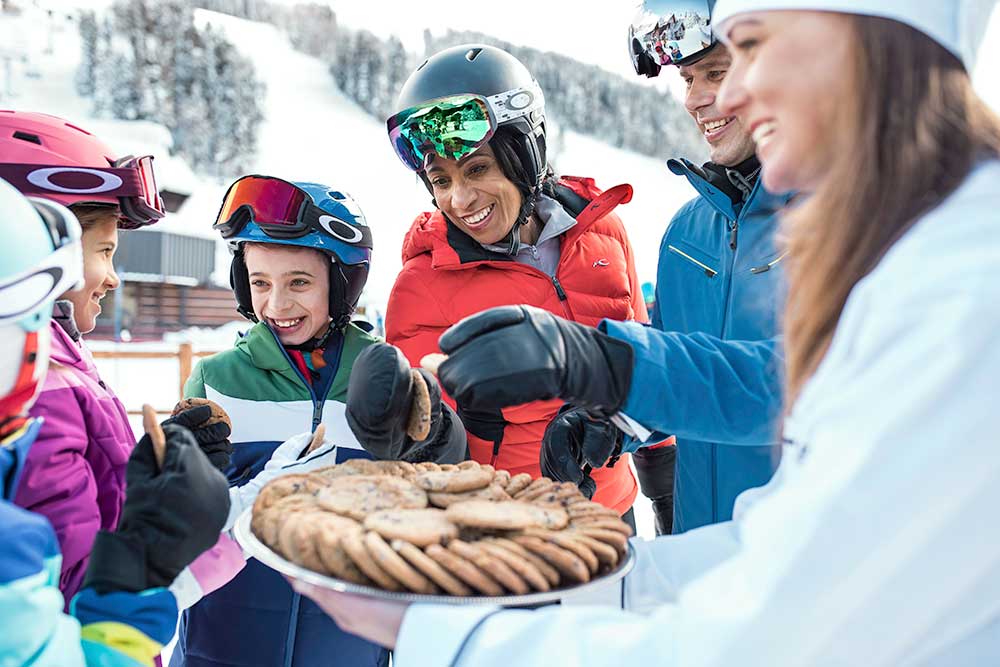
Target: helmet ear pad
(346, 283)
(239, 281)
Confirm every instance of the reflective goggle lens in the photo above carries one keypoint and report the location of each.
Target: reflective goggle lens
(451, 128)
(271, 202)
(151, 194)
(671, 31)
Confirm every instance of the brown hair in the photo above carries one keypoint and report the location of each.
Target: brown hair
(91, 215)
(916, 130)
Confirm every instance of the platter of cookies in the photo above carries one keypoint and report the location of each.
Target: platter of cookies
(463, 534)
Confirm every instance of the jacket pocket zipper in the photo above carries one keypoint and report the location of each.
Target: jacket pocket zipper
(709, 271)
(767, 267)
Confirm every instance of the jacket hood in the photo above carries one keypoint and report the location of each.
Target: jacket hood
(449, 247)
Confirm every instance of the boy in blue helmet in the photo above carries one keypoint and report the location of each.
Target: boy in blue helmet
(301, 253)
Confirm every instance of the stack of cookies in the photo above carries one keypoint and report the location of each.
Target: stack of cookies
(460, 530)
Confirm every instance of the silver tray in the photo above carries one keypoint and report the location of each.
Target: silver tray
(263, 553)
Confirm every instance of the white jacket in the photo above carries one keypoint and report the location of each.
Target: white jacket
(876, 543)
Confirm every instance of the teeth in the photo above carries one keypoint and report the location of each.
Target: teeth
(762, 131)
(716, 124)
(479, 217)
(284, 324)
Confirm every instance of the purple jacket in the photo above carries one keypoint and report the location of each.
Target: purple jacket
(75, 471)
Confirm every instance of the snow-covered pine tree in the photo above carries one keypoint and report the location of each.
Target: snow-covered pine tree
(88, 55)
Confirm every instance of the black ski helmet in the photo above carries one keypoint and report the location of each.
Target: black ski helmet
(479, 69)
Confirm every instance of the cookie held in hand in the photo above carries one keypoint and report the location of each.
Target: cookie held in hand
(418, 424)
(432, 361)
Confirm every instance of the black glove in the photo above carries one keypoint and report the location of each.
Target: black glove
(517, 354)
(574, 442)
(170, 517)
(655, 469)
(212, 438)
(379, 397)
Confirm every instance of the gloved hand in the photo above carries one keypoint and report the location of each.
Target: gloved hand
(655, 466)
(171, 515)
(212, 438)
(517, 354)
(574, 442)
(284, 460)
(380, 396)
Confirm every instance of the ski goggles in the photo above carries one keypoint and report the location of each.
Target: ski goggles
(130, 180)
(283, 211)
(27, 293)
(669, 32)
(456, 126)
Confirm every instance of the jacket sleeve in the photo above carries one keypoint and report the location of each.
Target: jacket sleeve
(194, 386)
(209, 572)
(701, 387)
(58, 483)
(119, 630)
(844, 558)
(413, 318)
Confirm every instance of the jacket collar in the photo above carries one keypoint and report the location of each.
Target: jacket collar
(759, 199)
(451, 248)
(66, 350)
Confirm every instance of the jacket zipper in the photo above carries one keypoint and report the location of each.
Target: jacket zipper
(317, 418)
(563, 299)
(709, 271)
(767, 267)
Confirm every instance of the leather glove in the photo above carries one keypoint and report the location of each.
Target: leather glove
(655, 466)
(511, 355)
(171, 515)
(212, 438)
(574, 442)
(380, 396)
(284, 460)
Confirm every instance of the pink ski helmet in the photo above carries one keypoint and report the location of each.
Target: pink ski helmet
(49, 157)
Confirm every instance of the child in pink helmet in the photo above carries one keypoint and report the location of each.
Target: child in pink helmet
(75, 472)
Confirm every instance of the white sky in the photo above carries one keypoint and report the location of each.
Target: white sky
(592, 31)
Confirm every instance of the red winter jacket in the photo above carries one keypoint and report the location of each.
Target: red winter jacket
(447, 276)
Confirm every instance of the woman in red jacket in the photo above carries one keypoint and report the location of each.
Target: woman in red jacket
(506, 231)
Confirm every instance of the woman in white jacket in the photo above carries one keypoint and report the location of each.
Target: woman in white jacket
(876, 541)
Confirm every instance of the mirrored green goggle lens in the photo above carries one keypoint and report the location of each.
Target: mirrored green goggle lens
(451, 131)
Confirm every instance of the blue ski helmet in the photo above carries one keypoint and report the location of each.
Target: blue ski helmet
(265, 209)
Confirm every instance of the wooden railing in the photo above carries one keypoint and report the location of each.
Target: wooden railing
(185, 356)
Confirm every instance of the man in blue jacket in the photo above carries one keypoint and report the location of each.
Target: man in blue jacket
(719, 283)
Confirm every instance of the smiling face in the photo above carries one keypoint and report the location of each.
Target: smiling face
(100, 240)
(728, 140)
(290, 290)
(475, 194)
(792, 86)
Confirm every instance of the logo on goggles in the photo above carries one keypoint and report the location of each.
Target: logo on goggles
(336, 228)
(76, 180)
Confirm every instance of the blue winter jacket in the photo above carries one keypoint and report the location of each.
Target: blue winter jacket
(711, 374)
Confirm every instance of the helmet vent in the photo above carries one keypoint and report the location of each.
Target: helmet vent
(472, 54)
(25, 136)
(422, 65)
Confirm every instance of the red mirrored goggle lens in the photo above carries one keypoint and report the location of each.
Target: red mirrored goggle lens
(150, 194)
(271, 201)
